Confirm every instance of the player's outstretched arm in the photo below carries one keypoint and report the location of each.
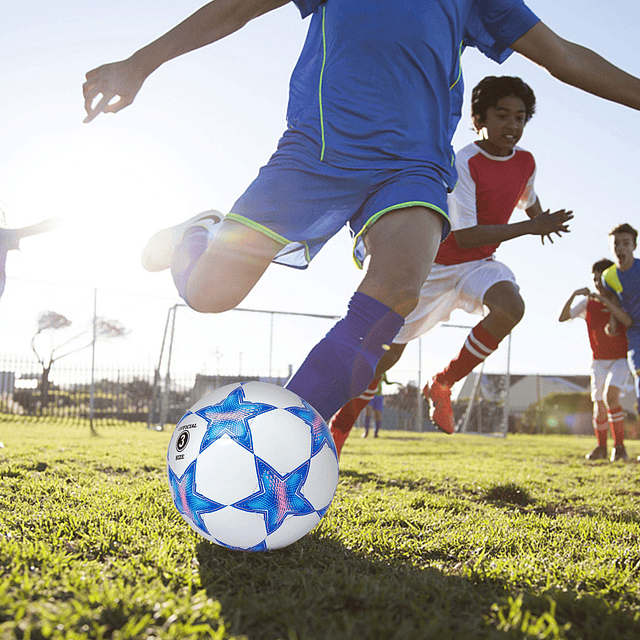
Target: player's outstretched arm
(578, 66)
(565, 314)
(123, 79)
(40, 227)
(487, 234)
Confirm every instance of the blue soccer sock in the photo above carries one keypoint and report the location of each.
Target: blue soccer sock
(194, 243)
(342, 364)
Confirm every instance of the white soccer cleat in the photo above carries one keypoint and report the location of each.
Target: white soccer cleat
(157, 254)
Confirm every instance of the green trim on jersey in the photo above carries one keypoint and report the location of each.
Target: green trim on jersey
(459, 66)
(377, 216)
(258, 227)
(324, 61)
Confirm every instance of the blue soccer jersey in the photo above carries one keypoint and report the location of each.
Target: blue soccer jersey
(379, 81)
(374, 100)
(626, 284)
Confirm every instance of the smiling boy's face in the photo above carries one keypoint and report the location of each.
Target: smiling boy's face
(502, 127)
(622, 246)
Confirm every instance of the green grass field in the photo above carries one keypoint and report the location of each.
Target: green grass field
(429, 536)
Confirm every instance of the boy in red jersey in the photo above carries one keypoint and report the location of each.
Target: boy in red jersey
(494, 177)
(610, 372)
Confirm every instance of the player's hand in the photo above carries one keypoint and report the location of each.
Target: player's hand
(118, 79)
(585, 291)
(548, 223)
(610, 331)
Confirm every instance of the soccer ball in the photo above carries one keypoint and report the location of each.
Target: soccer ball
(252, 466)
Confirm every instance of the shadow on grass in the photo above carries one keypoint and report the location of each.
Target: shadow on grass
(318, 588)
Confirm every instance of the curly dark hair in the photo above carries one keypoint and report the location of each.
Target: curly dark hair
(601, 265)
(490, 89)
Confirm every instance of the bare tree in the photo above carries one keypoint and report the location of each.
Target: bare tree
(50, 323)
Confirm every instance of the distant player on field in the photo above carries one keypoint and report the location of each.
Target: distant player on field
(374, 408)
(10, 239)
(374, 99)
(623, 279)
(494, 177)
(609, 371)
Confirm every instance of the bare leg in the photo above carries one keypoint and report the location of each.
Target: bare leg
(230, 267)
(402, 245)
(506, 309)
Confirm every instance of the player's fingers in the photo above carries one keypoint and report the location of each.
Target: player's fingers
(121, 103)
(93, 111)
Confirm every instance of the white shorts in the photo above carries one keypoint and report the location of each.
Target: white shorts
(458, 286)
(606, 373)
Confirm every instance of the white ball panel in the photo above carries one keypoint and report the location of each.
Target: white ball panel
(322, 480)
(271, 394)
(179, 457)
(226, 472)
(236, 528)
(292, 529)
(281, 439)
(214, 397)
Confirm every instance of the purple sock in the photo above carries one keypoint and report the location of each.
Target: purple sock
(187, 253)
(342, 364)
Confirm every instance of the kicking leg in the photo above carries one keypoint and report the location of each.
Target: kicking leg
(402, 245)
(343, 421)
(216, 276)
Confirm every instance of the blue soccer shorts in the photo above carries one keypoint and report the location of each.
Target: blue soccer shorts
(303, 202)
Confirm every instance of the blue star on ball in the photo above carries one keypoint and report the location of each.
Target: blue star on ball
(189, 502)
(319, 431)
(278, 496)
(231, 417)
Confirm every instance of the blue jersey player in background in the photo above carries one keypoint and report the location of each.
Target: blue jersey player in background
(623, 278)
(374, 99)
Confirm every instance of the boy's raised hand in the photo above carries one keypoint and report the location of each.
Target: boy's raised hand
(547, 223)
(118, 79)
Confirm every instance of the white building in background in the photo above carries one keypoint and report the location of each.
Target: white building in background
(528, 390)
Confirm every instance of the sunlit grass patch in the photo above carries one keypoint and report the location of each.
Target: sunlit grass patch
(429, 536)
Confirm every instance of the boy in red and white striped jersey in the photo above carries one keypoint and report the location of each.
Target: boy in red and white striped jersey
(494, 177)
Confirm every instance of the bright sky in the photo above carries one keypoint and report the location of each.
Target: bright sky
(201, 128)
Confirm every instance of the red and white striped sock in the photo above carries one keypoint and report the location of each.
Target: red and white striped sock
(478, 346)
(616, 422)
(602, 430)
(342, 422)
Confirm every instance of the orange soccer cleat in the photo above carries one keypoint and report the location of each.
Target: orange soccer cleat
(440, 396)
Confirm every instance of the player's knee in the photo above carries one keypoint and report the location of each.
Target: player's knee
(505, 304)
(389, 358)
(512, 310)
(612, 397)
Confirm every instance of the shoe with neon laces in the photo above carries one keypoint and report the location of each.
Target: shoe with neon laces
(157, 254)
(440, 396)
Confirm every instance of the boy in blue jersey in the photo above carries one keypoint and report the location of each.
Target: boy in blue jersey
(623, 278)
(374, 99)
